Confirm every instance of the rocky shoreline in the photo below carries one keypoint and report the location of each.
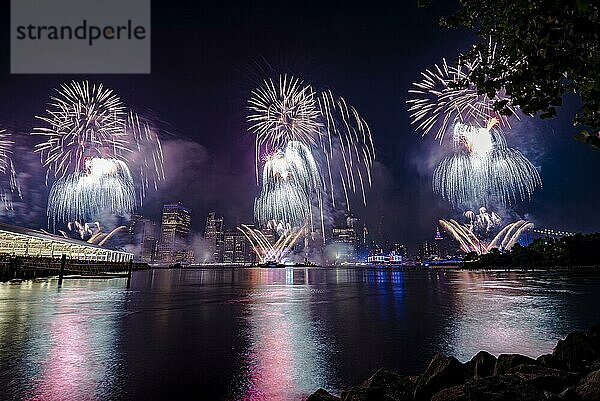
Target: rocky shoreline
(570, 373)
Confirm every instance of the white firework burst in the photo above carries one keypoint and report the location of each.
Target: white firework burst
(87, 129)
(290, 185)
(81, 121)
(9, 185)
(483, 170)
(333, 131)
(444, 97)
(105, 186)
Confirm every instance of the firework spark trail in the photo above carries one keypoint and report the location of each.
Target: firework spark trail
(267, 252)
(9, 185)
(333, 130)
(88, 132)
(483, 222)
(147, 156)
(106, 186)
(443, 97)
(290, 183)
(506, 238)
(483, 170)
(82, 121)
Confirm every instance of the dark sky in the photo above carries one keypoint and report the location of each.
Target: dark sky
(205, 60)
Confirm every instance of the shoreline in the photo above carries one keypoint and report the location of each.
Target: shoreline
(41, 272)
(570, 373)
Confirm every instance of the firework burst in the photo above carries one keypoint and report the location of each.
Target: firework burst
(330, 130)
(81, 121)
(106, 186)
(483, 170)
(444, 97)
(290, 185)
(9, 185)
(469, 241)
(91, 146)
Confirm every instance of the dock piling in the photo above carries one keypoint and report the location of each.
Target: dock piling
(63, 262)
(129, 273)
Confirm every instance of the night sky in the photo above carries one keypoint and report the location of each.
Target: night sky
(205, 60)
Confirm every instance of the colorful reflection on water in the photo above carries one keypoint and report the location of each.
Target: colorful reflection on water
(270, 334)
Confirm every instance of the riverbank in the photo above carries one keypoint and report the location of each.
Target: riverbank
(570, 373)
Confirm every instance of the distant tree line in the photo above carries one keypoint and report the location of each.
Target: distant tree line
(576, 250)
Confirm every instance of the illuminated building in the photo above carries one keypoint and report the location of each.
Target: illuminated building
(143, 236)
(19, 241)
(428, 250)
(213, 234)
(236, 248)
(148, 241)
(174, 244)
(551, 233)
(344, 240)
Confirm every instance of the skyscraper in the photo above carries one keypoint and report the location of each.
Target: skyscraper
(213, 234)
(143, 237)
(148, 241)
(236, 247)
(174, 243)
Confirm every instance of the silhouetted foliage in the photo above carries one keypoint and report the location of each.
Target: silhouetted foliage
(545, 49)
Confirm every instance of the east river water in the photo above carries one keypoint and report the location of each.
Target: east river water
(270, 334)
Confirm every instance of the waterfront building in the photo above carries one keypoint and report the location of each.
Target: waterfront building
(174, 242)
(19, 241)
(213, 234)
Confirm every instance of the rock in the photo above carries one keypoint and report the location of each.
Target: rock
(396, 387)
(508, 361)
(575, 352)
(568, 395)
(456, 393)
(547, 360)
(593, 335)
(443, 372)
(545, 378)
(481, 365)
(589, 387)
(365, 394)
(322, 395)
(492, 388)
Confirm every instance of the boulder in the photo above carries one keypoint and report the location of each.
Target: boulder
(593, 335)
(365, 394)
(545, 378)
(322, 395)
(396, 387)
(507, 361)
(456, 393)
(481, 365)
(589, 387)
(547, 360)
(568, 395)
(492, 388)
(575, 352)
(443, 372)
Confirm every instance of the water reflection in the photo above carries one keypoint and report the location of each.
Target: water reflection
(287, 355)
(65, 353)
(507, 312)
